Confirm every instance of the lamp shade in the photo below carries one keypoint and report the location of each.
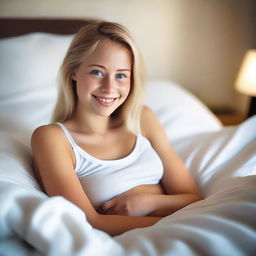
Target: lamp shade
(246, 80)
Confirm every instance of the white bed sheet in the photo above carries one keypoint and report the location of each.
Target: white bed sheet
(222, 224)
(221, 160)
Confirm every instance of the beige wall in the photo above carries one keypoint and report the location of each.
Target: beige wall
(196, 43)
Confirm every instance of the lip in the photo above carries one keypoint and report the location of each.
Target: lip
(105, 101)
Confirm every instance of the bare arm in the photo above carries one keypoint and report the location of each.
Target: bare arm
(177, 182)
(54, 164)
(179, 187)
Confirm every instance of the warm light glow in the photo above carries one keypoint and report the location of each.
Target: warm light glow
(246, 80)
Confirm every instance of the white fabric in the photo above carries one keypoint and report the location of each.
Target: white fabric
(103, 180)
(222, 224)
(222, 161)
(180, 111)
(29, 66)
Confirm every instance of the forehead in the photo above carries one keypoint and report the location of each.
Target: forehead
(108, 53)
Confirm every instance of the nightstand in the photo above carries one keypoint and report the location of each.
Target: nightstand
(229, 117)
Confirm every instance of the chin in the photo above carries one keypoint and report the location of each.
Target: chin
(105, 113)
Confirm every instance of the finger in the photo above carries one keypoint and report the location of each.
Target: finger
(110, 211)
(107, 205)
(117, 210)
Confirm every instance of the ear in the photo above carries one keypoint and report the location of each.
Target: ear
(74, 76)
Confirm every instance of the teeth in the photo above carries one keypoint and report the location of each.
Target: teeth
(107, 100)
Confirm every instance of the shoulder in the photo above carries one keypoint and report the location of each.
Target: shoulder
(146, 111)
(50, 140)
(46, 132)
(149, 122)
(152, 129)
(48, 136)
(147, 116)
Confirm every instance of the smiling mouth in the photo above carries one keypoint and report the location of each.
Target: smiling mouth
(105, 100)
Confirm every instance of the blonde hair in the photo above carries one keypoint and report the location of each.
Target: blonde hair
(84, 43)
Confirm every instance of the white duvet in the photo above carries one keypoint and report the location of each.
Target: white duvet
(221, 160)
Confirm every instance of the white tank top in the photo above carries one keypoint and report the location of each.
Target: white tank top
(104, 179)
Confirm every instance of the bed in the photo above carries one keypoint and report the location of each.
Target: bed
(222, 161)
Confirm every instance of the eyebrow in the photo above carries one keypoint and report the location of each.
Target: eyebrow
(100, 66)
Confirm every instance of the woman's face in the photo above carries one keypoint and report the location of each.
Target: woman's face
(103, 79)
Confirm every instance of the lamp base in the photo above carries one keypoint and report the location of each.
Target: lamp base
(252, 108)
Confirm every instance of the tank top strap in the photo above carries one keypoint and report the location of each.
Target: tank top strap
(67, 133)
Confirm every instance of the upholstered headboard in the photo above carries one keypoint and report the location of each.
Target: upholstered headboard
(18, 26)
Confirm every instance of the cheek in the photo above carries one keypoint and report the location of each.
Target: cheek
(85, 86)
(125, 89)
(81, 89)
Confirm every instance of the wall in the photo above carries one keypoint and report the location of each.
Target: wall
(196, 43)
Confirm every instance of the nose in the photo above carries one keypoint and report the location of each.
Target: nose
(108, 85)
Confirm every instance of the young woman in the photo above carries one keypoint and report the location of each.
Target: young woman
(105, 151)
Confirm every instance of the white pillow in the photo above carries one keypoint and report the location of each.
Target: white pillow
(16, 162)
(181, 113)
(28, 69)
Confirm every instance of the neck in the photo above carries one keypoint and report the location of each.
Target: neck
(91, 123)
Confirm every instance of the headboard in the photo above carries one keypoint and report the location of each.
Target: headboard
(18, 26)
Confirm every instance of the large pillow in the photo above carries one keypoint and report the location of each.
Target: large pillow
(180, 112)
(28, 69)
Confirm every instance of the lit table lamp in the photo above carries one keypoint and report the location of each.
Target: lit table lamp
(246, 80)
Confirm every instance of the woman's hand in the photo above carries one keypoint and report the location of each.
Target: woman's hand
(129, 205)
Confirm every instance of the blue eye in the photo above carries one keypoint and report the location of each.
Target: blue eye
(121, 76)
(96, 73)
